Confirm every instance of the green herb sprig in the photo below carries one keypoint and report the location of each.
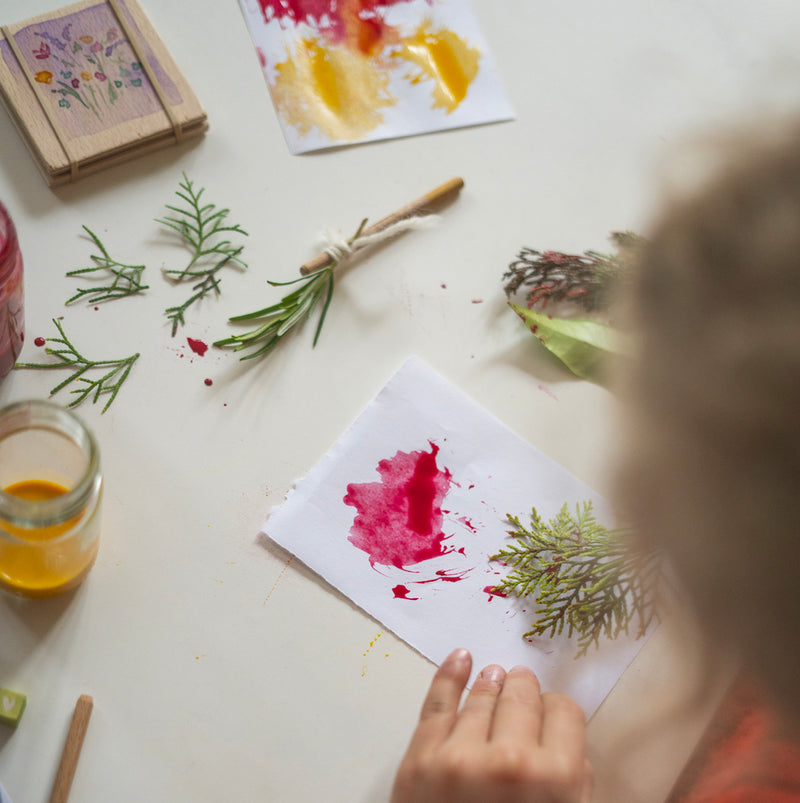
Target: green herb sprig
(585, 578)
(125, 280)
(288, 312)
(203, 230)
(69, 357)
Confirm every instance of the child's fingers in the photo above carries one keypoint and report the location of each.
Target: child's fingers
(518, 716)
(440, 708)
(474, 723)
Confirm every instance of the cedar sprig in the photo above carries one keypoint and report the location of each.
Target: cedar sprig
(125, 280)
(209, 282)
(68, 356)
(586, 580)
(584, 279)
(203, 229)
(280, 318)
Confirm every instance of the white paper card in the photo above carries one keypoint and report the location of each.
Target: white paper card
(404, 511)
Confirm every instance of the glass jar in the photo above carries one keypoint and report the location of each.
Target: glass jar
(50, 493)
(12, 314)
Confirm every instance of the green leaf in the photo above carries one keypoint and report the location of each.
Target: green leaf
(585, 347)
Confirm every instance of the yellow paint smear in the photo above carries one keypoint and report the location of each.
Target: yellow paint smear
(332, 89)
(444, 58)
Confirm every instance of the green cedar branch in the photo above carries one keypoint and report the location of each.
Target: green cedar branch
(203, 229)
(68, 356)
(585, 579)
(125, 280)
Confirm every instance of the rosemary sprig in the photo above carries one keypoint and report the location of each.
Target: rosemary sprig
(69, 357)
(200, 227)
(125, 280)
(288, 312)
(283, 316)
(585, 577)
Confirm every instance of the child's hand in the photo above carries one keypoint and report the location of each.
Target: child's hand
(508, 742)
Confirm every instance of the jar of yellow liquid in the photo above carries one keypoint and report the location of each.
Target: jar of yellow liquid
(50, 492)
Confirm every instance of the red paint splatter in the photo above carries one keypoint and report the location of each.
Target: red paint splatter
(490, 590)
(467, 523)
(39, 341)
(401, 592)
(444, 577)
(535, 328)
(197, 346)
(549, 392)
(358, 23)
(444, 286)
(477, 301)
(208, 382)
(399, 519)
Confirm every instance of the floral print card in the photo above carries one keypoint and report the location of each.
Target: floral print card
(91, 83)
(347, 71)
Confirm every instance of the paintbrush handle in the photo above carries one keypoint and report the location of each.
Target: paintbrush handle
(422, 205)
(72, 749)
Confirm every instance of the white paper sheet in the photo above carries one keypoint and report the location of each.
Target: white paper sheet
(341, 521)
(342, 73)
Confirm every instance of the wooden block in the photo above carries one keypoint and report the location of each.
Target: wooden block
(91, 85)
(12, 704)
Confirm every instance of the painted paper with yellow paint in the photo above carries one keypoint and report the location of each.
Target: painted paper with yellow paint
(348, 71)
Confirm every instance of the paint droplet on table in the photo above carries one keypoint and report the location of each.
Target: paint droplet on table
(197, 346)
(208, 382)
(399, 519)
(39, 341)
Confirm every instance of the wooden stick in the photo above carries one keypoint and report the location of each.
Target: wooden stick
(72, 749)
(421, 206)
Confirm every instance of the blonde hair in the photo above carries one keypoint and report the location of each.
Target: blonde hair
(712, 470)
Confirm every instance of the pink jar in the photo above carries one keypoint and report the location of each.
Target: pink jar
(12, 313)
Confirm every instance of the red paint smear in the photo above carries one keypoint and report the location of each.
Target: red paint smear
(467, 523)
(399, 519)
(358, 22)
(39, 341)
(208, 382)
(445, 577)
(492, 593)
(197, 346)
(401, 592)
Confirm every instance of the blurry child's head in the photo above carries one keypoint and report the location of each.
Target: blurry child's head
(713, 472)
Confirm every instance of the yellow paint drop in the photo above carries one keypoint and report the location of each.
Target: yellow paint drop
(332, 89)
(444, 58)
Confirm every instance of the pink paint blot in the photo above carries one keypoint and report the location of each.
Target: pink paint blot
(399, 519)
(490, 590)
(401, 592)
(39, 341)
(549, 392)
(467, 523)
(197, 346)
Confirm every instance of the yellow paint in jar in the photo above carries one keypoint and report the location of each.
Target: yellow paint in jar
(47, 560)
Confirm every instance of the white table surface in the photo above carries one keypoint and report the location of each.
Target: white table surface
(220, 669)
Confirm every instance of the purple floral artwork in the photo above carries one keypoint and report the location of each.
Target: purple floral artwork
(89, 71)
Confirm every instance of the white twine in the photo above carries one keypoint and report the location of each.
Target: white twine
(339, 248)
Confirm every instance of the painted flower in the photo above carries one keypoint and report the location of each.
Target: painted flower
(64, 103)
(112, 34)
(118, 84)
(44, 77)
(100, 76)
(75, 83)
(65, 33)
(96, 47)
(136, 65)
(43, 52)
(87, 40)
(136, 81)
(87, 76)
